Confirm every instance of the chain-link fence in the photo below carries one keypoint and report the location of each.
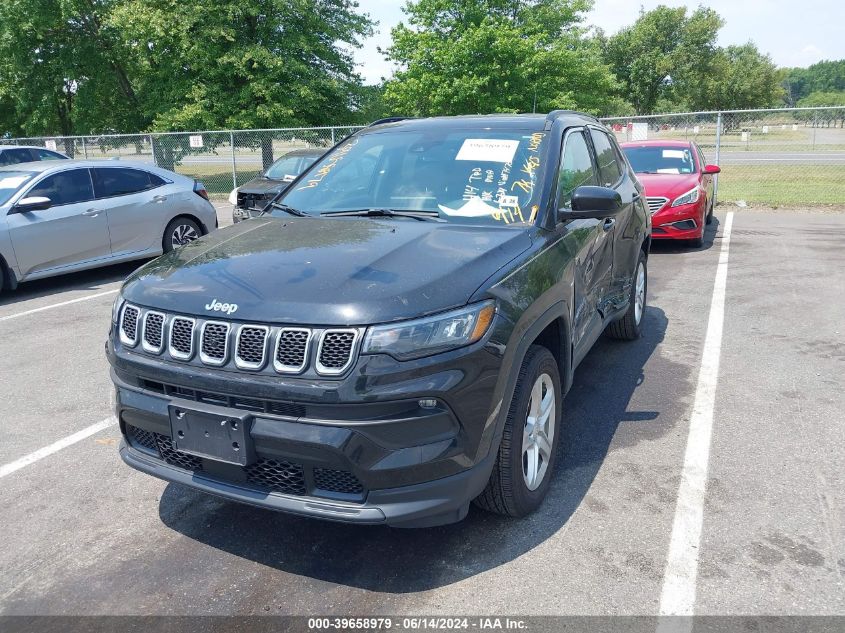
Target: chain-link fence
(222, 160)
(777, 157)
(789, 157)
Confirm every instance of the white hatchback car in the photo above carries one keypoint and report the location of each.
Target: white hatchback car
(67, 215)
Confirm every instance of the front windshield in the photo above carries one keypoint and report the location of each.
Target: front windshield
(11, 181)
(660, 160)
(289, 167)
(479, 176)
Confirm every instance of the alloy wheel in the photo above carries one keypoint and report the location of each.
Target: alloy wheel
(183, 234)
(539, 432)
(639, 293)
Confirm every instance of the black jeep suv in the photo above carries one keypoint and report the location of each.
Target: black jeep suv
(394, 339)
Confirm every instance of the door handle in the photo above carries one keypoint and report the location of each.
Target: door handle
(91, 213)
(608, 224)
(159, 198)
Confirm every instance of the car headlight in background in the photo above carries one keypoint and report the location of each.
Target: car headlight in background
(431, 335)
(115, 309)
(233, 197)
(688, 198)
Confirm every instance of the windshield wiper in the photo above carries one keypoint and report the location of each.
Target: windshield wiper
(422, 216)
(283, 207)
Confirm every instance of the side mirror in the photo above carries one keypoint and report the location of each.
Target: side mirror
(34, 203)
(712, 169)
(594, 202)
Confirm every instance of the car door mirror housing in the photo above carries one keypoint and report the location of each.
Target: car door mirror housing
(712, 169)
(33, 203)
(593, 202)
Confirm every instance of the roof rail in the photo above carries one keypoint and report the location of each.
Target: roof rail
(554, 115)
(390, 119)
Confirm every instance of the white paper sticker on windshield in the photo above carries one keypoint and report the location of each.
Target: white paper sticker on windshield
(474, 208)
(488, 150)
(674, 153)
(669, 170)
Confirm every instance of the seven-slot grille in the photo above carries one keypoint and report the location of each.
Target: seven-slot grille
(182, 338)
(655, 203)
(335, 352)
(251, 347)
(292, 350)
(288, 350)
(153, 338)
(214, 346)
(129, 325)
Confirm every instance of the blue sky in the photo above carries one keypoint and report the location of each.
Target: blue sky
(793, 33)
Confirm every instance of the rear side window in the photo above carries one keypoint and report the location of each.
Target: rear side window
(15, 156)
(576, 168)
(607, 158)
(122, 181)
(46, 154)
(66, 187)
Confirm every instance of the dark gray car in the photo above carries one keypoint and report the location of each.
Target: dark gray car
(250, 199)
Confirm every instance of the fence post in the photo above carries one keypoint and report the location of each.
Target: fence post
(85, 147)
(234, 168)
(815, 123)
(333, 137)
(153, 150)
(718, 152)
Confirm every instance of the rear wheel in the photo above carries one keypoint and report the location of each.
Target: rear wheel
(527, 455)
(179, 232)
(629, 327)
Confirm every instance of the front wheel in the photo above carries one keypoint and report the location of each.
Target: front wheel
(179, 232)
(709, 218)
(527, 455)
(629, 327)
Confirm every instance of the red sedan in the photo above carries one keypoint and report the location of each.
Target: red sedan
(678, 186)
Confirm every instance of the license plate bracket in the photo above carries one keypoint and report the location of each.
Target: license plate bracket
(212, 435)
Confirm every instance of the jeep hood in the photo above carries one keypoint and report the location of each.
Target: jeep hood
(322, 271)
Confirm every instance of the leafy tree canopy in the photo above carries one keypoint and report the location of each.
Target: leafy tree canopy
(478, 56)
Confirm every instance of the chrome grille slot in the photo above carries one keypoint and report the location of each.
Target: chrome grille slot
(655, 203)
(291, 355)
(335, 354)
(129, 325)
(251, 347)
(214, 345)
(152, 339)
(181, 344)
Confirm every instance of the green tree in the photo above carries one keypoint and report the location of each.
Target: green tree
(243, 63)
(61, 70)
(823, 76)
(480, 56)
(824, 117)
(741, 78)
(664, 55)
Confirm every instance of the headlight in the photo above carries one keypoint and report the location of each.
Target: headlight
(431, 335)
(688, 198)
(233, 197)
(115, 308)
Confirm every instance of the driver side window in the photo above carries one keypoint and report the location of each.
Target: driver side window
(576, 169)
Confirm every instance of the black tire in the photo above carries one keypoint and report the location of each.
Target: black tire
(709, 218)
(629, 328)
(186, 226)
(507, 491)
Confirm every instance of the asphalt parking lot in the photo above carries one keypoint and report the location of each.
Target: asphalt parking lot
(85, 534)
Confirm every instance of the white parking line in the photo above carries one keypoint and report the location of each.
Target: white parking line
(57, 305)
(679, 578)
(55, 447)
